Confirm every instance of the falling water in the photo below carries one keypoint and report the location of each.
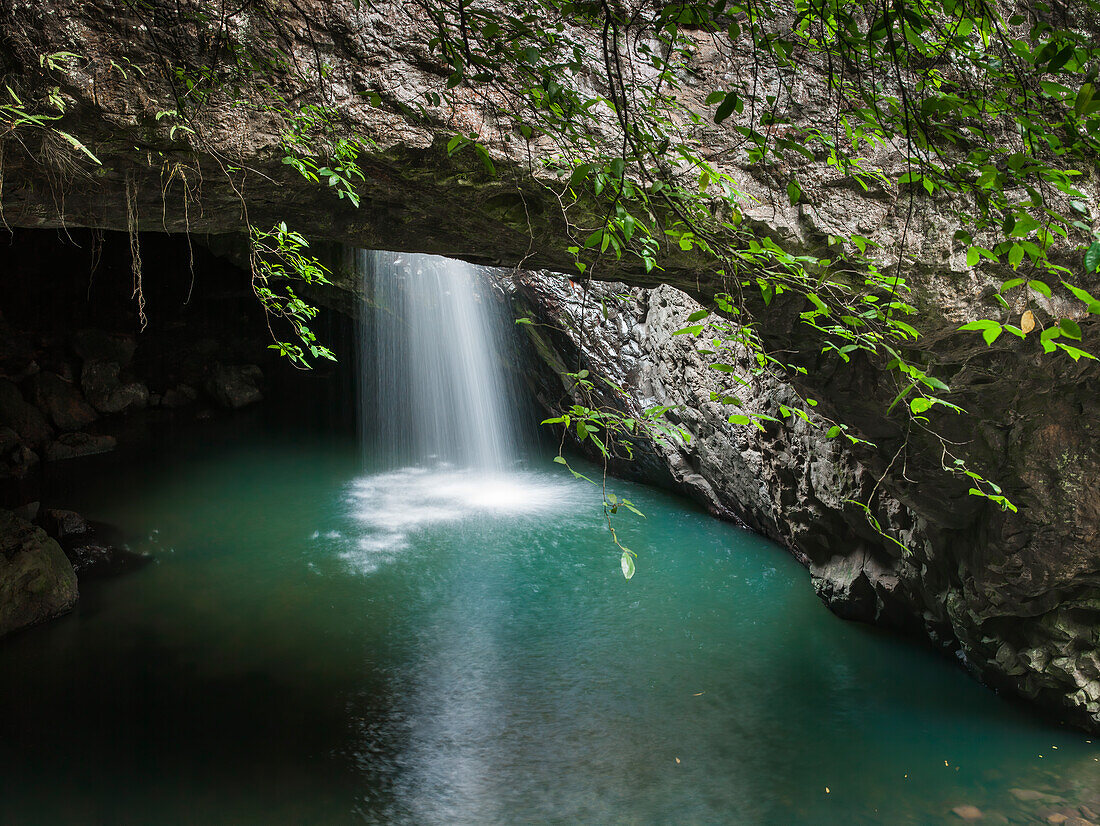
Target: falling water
(441, 395)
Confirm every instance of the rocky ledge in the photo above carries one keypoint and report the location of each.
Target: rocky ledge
(1027, 623)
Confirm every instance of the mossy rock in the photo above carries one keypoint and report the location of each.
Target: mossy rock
(37, 582)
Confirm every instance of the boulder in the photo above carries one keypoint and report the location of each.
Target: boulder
(96, 345)
(37, 582)
(61, 401)
(75, 445)
(107, 392)
(235, 385)
(179, 396)
(9, 440)
(18, 461)
(23, 418)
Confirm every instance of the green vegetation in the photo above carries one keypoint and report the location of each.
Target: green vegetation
(992, 110)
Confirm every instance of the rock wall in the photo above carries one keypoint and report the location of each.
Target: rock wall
(1028, 625)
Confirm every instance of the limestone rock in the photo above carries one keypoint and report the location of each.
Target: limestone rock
(62, 401)
(37, 582)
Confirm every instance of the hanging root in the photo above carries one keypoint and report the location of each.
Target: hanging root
(135, 246)
(179, 170)
(3, 218)
(97, 255)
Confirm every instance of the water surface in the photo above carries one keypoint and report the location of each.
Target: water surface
(321, 645)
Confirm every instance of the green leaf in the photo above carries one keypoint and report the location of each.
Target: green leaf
(580, 174)
(486, 161)
(990, 330)
(1092, 257)
(626, 562)
(794, 192)
(1075, 353)
(1082, 106)
(920, 404)
(698, 314)
(1093, 304)
(834, 431)
(975, 253)
(690, 330)
(726, 108)
(1070, 328)
(1040, 287)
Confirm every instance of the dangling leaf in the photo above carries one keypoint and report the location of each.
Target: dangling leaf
(1027, 321)
(627, 563)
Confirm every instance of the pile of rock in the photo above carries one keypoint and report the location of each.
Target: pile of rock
(54, 397)
(44, 553)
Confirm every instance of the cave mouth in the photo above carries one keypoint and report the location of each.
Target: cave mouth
(327, 637)
(96, 355)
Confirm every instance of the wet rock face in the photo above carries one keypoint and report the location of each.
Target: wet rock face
(1017, 598)
(37, 582)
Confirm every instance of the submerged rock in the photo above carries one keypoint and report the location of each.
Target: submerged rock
(92, 558)
(91, 547)
(968, 813)
(37, 582)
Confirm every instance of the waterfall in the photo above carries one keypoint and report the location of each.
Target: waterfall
(440, 411)
(441, 395)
